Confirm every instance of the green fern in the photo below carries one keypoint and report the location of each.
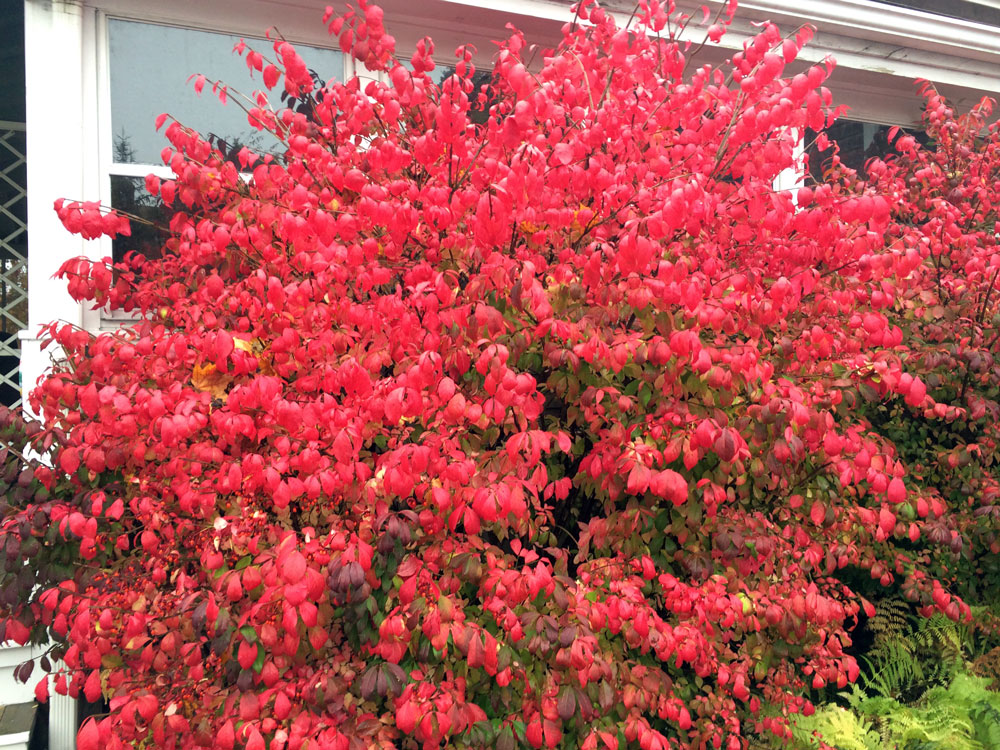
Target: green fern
(982, 634)
(961, 715)
(910, 655)
(837, 727)
(942, 645)
(892, 669)
(964, 715)
(891, 666)
(986, 717)
(891, 620)
(916, 693)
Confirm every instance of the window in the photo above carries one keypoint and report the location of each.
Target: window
(149, 68)
(482, 77)
(858, 142)
(143, 85)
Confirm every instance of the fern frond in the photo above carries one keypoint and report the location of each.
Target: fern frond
(892, 668)
(962, 715)
(892, 619)
(986, 719)
(939, 645)
(837, 727)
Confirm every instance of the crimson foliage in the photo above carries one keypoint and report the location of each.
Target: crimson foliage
(563, 429)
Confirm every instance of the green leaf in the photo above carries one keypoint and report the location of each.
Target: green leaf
(645, 396)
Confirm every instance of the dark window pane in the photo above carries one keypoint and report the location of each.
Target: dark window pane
(858, 142)
(129, 195)
(479, 111)
(150, 66)
(12, 62)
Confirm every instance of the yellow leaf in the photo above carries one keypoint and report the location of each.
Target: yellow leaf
(208, 378)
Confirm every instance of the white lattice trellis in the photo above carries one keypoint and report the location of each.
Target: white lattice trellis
(13, 258)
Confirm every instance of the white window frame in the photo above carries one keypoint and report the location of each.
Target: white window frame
(106, 319)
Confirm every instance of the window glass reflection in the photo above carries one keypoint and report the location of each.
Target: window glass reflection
(150, 65)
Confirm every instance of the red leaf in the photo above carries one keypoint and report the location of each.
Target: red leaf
(225, 738)
(223, 347)
(725, 445)
(92, 687)
(271, 76)
(147, 706)
(886, 520)
(406, 717)
(670, 485)
(89, 400)
(293, 567)
(282, 706)
(88, 738)
(249, 707)
(475, 655)
(247, 654)
(69, 460)
(897, 491)
(638, 479)
(255, 741)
